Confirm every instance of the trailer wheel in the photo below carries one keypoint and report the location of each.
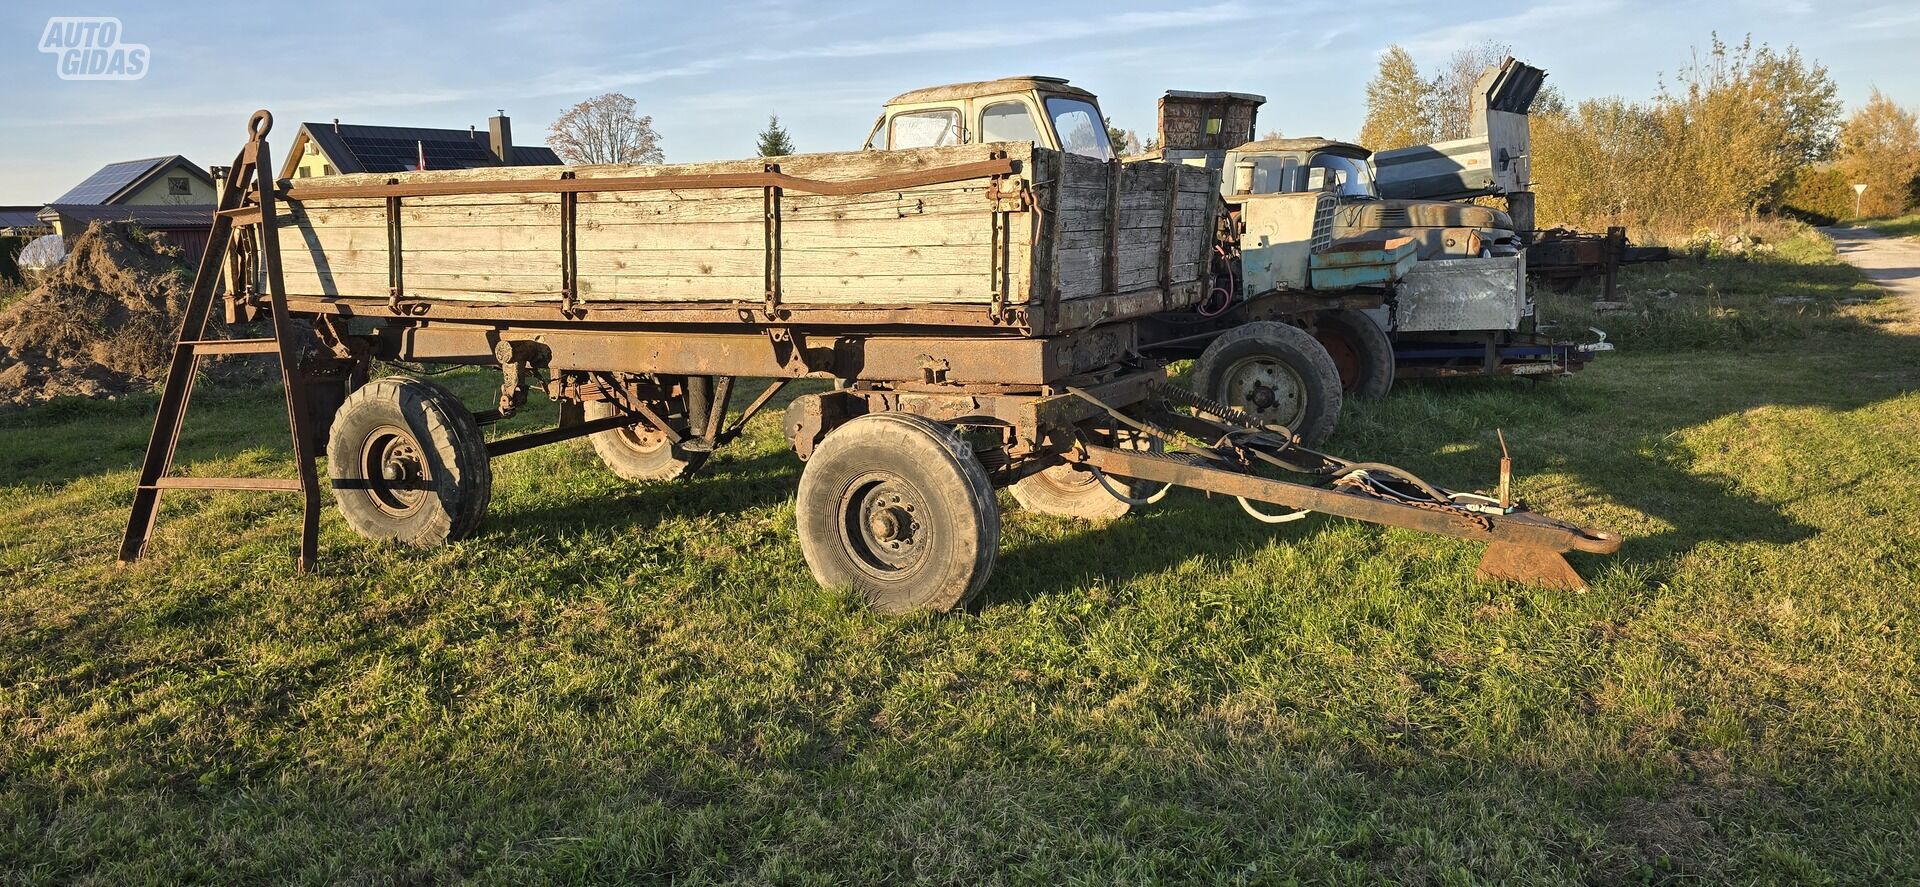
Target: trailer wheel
(1275, 372)
(408, 463)
(1360, 350)
(637, 452)
(898, 508)
(1066, 491)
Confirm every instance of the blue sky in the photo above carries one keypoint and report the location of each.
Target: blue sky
(710, 73)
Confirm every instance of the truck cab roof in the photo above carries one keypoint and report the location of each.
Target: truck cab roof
(1305, 145)
(977, 88)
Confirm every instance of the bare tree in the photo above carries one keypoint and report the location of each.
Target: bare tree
(605, 129)
(1452, 89)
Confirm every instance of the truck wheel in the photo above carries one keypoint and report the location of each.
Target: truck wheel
(1360, 350)
(408, 463)
(1276, 373)
(897, 507)
(637, 452)
(1066, 491)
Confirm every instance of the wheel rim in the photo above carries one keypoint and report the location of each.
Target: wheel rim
(883, 526)
(1345, 353)
(641, 438)
(396, 472)
(1266, 389)
(1066, 480)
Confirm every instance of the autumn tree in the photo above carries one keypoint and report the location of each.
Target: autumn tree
(1399, 104)
(1880, 147)
(1739, 124)
(605, 129)
(774, 141)
(1597, 163)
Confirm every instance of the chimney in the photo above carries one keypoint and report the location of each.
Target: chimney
(501, 137)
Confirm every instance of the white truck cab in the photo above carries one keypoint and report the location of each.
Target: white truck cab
(1043, 110)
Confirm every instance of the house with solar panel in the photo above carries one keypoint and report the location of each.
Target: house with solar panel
(323, 149)
(168, 196)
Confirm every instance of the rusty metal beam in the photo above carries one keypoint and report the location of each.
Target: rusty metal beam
(1006, 360)
(1521, 529)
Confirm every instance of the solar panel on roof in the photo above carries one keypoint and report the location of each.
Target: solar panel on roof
(107, 182)
(395, 154)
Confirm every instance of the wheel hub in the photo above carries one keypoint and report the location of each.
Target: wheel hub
(1267, 389)
(883, 529)
(395, 470)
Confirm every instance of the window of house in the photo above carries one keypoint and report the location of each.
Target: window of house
(1008, 122)
(924, 129)
(179, 186)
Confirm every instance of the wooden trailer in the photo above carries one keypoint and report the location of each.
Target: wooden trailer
(976, 307)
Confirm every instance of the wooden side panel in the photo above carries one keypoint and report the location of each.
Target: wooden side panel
(930, 244)
(1088, 228)
(927, 244)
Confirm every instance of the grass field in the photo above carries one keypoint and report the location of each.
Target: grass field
(614, 683)
(1903, 226)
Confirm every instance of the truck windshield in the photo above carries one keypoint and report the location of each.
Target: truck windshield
(1081, 130)
(1294, 174)
(1349, 175)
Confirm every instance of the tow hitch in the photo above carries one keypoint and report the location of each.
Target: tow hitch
(1213, 447)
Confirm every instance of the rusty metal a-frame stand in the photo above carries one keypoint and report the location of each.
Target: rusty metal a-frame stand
(251, 176)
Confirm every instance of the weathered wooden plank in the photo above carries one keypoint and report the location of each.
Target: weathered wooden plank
(1072, 199)
(851, 262)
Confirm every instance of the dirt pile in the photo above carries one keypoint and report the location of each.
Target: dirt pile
(100, 324)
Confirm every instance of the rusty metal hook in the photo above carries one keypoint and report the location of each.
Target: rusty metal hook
(259, 124)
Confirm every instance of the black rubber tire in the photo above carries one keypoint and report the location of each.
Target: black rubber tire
(1273, 347)
(1360, 349)
(411, 422)
(884, 471)
(626, 455)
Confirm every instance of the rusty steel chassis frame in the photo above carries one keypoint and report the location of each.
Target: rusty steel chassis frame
(1041, 395)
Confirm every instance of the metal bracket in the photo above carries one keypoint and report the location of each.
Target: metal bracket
(569, 251)
(396, 272)
(770, 214)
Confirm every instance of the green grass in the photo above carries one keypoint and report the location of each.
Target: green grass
(613, 683)
(1902, 226)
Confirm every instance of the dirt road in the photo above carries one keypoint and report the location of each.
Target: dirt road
(1891, 262)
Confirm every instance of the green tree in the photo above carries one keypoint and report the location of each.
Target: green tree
(774, 141)
(1399, 104)
(1123, 141)
(1880, 147)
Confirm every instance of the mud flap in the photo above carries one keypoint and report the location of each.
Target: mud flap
(1528, 565)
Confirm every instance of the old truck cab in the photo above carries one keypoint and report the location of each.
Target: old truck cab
(1441, 229)
(1043, 110)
